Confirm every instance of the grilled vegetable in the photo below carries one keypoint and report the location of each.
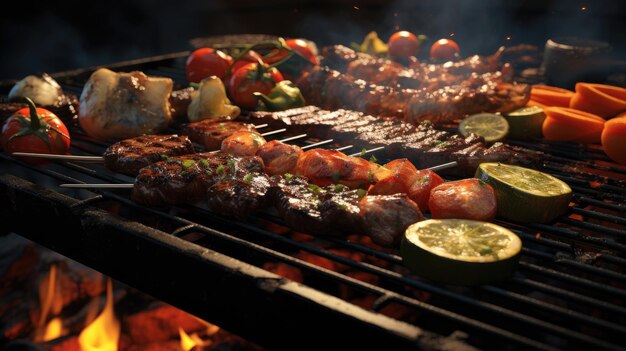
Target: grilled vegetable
(444, 50)
(466, 199)
(599, 99)
(124, 105)
(490, 126)
(372, 45)
(293, 57)
(459, 251)
(206, 62)
(614, 139)
(567, 124)
(211, 101)
(42, 90)
(35, 130)
(403, 45)
(283, 96)
(551, 96)
(525, 195)
(526, 122)
(252, 78)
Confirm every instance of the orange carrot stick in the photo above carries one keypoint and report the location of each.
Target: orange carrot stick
(551, 96)
(567, 124)
(614, 139)
(603, 100)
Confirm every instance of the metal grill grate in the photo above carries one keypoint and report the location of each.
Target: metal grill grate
(568, 293)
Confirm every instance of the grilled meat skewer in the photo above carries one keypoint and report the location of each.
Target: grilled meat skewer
(211, 132)
(423, 145)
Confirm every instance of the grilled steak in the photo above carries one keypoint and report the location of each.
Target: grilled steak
(333, 90)
(298, 203)
(423, 145)
(187, 178)
(386, 217)
(239, 195)
(211, 132)
(418, 75)
(130, 155)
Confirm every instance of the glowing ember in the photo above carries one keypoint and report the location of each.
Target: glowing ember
(54, 330)
(104, 332)
(583, 8)
(355, 7)
(508, 37)
(451, 34)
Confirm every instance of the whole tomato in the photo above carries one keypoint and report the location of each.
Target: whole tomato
(444, 50)
(403, 45)
(206, 62)
(466, 199)
(302, 58)
(249, 57)
(35, 130)
(420, 190)
(249, 79)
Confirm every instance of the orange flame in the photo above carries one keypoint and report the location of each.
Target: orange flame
(104, 332)
(51, 303)
(193, 341)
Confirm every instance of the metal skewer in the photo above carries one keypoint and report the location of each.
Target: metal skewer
(317, 144)
(344, 148)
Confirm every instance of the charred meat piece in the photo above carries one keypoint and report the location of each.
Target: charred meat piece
(298, 203)
(239, 195)
(179, 102)
(418, 75)
(386, 217)
(487, 92)
(187, 178)
(211, 132)
(130, 155)
(243, 143)
(278, 157)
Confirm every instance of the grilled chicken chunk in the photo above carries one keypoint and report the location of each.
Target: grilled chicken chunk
(187, 178)
(243, 143)
(278, 157)
(130, 155)
(211, 132)
(124, 105)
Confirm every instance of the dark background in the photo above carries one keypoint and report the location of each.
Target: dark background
(55, 36)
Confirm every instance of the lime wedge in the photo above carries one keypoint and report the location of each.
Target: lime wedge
(460, 251)
(525, 195)
(525, 123)
(490, 126)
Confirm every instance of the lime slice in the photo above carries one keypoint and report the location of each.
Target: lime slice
(525, 123)
(460, 251)
(490, 126)
(525, 195)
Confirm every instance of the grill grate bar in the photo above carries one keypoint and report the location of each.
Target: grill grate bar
(576, 264)
(599, 215)
(595, 227)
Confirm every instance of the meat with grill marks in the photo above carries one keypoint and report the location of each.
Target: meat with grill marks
(239, 196)
(130, 155)
(211, 132)
(422, 144)
(186, 179)
(335, 209)
(333, 90)
(418, 75)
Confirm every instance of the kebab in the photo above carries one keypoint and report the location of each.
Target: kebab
(130, 155)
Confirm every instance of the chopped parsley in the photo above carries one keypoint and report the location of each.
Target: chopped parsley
(373, 159)
(248, 178)
(204, 162)
(363, 152)
(188, 163)
(288, 176)
(164, 157)
(339, 187)
(370, 177)
(219, 169)
(361, 192)
(314, 188)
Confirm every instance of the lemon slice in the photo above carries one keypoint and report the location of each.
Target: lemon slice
(490, 126)
(526, 122)
(460, 251)
(524, 194)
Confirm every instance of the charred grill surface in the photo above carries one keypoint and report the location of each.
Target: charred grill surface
(186, 179)
(130, 155)
(211, 132)
(422, 144)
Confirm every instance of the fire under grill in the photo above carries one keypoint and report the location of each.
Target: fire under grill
(568, 293)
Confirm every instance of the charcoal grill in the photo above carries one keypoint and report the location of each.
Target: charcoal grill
(568, 293)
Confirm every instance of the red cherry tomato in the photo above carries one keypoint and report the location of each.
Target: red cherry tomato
(464, 199)
(35, 130)
(403, 44)
(206, 62)
(298, 45)
(420, 189)
(250, 57)
(249, 79)
(444, 49)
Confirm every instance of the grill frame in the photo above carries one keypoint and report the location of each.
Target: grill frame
(555, 257)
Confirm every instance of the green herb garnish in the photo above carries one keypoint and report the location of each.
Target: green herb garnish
(248, 178)
(361, 192)
(287, 176)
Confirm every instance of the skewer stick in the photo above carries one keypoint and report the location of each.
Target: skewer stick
(94, 159)
(344, 148)
(260, 126)
(273, 132)
(317, 144)
(362, 153)
(130, 186)
(295, 137)
(443, 166)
